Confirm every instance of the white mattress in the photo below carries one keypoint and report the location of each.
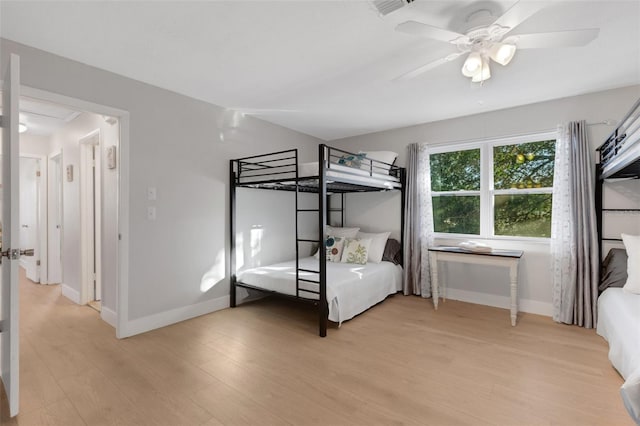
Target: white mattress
(619, 324)
(335, 172)
(351, 289)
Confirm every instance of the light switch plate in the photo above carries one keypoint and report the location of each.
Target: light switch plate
(151, 213)
(151, 193)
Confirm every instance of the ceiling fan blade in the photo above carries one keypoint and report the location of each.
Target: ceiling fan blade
(573, 38)
(426, 67)
(518, 13)
(424, 30)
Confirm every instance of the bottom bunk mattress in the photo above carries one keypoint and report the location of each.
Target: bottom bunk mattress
(619, 324)
(351, 289)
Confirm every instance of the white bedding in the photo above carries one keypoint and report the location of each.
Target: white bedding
(628, 153)
(619, 324)
(351, 289)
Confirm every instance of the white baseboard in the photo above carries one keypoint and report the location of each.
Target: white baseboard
(524, 305)
(109, 316)
(70, 293)
(163, 319)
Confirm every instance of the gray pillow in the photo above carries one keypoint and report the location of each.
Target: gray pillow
(392, 252)
(614, 269)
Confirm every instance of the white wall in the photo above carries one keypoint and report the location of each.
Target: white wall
(34, 144)
(487, 285)
(175, 146)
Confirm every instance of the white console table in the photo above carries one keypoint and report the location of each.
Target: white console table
(506, 258)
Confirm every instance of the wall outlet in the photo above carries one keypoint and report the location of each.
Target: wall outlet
(151, 213)
(151, 193)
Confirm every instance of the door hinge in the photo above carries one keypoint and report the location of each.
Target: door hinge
(37, 263)
(38, 173)
(1, 122)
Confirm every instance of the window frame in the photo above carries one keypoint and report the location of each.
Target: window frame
(487, 191)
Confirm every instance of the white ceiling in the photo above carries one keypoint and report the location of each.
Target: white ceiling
(327, 68)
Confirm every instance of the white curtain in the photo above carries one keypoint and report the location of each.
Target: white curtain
(418, 230)
(574, 241)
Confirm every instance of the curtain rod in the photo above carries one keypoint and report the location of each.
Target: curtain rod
(608, 122)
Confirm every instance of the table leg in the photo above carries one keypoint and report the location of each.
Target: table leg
(433, 264)
(513, 275)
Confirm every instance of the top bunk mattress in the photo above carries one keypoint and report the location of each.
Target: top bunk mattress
(349, 174)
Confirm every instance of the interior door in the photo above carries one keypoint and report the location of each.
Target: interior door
(9, 338)
(54, 240)
(29, 212)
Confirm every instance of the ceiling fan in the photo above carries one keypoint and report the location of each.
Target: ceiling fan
(485, 39)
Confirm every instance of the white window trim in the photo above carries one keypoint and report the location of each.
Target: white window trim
(487, 191)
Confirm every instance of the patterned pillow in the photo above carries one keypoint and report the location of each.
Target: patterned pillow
(334, 248)
(352, 160)
(356, 251)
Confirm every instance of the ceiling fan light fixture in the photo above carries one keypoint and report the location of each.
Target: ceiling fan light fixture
(22, 127)
(483, 74)
(502, 53)
(472, 65)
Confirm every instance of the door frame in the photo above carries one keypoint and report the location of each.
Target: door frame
(90, 217)
(41, 248)
(122, 285)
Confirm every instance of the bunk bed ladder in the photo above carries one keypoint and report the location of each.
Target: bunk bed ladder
(309, 279)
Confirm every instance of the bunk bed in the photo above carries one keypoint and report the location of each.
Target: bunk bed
(618, 308)
(339, 291)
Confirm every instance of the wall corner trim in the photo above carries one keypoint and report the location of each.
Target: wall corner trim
(70, 293)
(163, 319)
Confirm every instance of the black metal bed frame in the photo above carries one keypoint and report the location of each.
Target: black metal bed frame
(607, 153)
(280, 171)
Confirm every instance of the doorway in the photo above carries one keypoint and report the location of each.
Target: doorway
(32, 218)
(80, 209)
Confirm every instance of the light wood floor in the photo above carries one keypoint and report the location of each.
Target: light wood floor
(262, 364)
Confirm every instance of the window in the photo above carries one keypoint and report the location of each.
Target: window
(499, 188)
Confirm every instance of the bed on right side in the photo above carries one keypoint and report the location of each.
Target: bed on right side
(619, 299)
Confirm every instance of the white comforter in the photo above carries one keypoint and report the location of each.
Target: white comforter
(619, 324)
(351, 289)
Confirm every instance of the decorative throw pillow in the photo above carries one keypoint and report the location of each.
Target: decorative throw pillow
(386, 157)
(392, 252)
(336, 231)
(376, 249)
(356, 251)
(352, 160)
(614, 269)
(334, 248)
(632, 244)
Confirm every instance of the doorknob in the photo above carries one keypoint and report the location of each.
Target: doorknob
(14, 254)
(25, 226)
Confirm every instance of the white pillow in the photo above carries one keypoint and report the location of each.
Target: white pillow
(632, 244)
(378, 241)
(356, 251)
(342, 232)
(387, 157)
